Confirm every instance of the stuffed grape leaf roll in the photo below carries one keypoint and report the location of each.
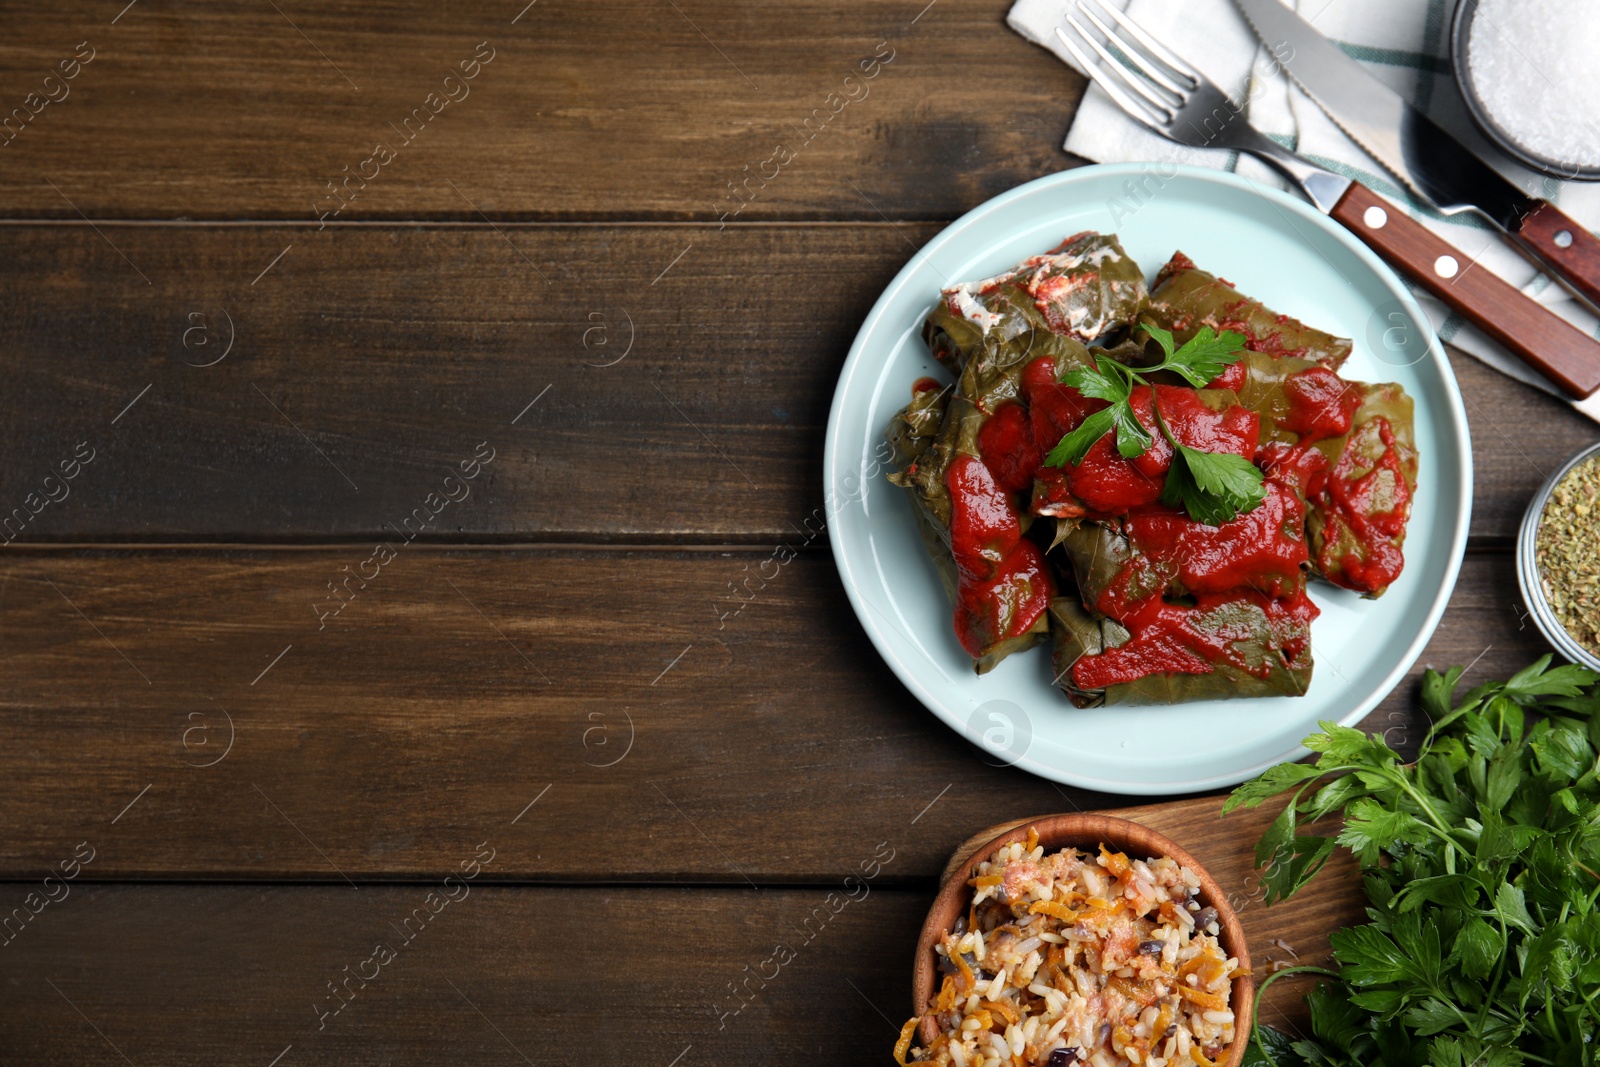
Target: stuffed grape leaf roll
(1087, 289)
(1220, 647)
(1357, 522)
(912, 433)
(969, 484)
(1161, 551)
(1186, 298)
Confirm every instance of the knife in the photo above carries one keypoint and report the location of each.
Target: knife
(1429, 160)
(1198, 114)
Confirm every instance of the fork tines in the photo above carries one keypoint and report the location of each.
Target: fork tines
(1163, 81)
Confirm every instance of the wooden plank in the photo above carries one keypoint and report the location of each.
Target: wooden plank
(490, 974)
(463, 688)
(679, 385)
(503, 976)
(618, 109)
(1520, 437)
(369, 363)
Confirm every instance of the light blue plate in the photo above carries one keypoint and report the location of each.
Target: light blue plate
(1273, 247)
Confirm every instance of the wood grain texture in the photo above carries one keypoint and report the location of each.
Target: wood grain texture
(619, 109)
(241, 972)
(1530, 331)
(366, 362)
(461, 685)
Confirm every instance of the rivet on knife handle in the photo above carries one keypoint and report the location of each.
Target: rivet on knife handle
(1548, 343)
(1564, 245)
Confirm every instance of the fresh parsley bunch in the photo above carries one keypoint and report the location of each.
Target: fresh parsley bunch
(1213, 487)
(1481, 865)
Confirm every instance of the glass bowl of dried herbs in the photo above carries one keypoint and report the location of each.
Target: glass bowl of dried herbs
(1558, 558)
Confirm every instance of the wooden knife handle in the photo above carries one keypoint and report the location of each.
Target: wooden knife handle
(1542, 339)
(1564, 246)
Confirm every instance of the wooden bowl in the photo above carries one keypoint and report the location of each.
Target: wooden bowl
(1085, 832)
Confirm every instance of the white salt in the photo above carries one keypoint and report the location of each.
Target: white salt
(1532, 64)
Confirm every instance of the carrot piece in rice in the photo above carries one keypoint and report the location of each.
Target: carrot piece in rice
(1054, 910)
(903, 1045)
(1209, 1001)
(1115, 862)
(966, 972)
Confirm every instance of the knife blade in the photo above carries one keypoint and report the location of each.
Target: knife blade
(1428, 159)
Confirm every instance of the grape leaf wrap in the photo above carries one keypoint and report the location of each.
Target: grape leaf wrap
(1186, 298)
(1087, 289)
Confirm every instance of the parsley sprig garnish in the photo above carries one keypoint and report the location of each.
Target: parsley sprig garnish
(1213, 487)
(1481, 864)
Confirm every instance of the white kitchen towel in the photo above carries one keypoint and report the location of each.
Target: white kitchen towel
(1402, 42)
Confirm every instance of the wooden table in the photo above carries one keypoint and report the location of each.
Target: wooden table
(538, 750)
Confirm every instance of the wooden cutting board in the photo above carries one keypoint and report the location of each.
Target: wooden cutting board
(1287, 934)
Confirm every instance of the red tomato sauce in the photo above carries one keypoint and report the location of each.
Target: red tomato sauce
(1004, 587)
(1357, 502)
(1106, 484)
(1007, 444)
(1321, 404)
(1263, 549)
(1179, 639)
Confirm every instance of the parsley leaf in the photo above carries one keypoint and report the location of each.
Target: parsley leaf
(1273, 781)
(1132, 438)
(1202, 357)
(1481, 869)
(1478, 948)
(1213, 487)
(1074, 446)
(1511, 907)
(1109, 381)
(1103, 382)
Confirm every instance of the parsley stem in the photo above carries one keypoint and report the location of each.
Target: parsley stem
(1262, 988)
(1155, 409)
(1404, 782)
(1275, 975)
(1499, 974)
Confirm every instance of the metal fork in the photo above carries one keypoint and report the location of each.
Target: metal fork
(1164, 93)
(1158, 89)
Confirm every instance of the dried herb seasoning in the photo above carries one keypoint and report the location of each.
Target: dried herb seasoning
(1567, 551)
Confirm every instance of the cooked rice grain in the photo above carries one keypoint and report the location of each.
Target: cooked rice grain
(1097, 955)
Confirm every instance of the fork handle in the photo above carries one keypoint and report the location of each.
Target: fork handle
(1536, 335)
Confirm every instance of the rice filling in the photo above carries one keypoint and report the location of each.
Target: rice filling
(1080, 959)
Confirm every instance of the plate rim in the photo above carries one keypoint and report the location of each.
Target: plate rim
(855, 361)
